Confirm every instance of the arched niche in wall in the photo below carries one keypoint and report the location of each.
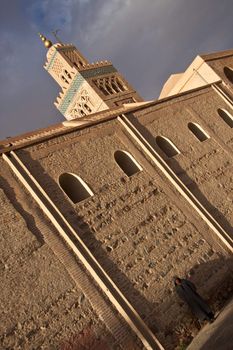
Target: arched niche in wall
(167, 146)
(75, 188)
(127, 162)
(228, 73)
(226, 116)
(200, 134)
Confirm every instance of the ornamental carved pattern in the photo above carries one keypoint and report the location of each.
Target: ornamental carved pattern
(75, 58)
(82, 106)
(57, 66)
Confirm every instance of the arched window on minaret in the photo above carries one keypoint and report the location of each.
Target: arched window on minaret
(114, 85)
(103, 90)
(67, 74)
(120, 85)
(200, 134)
(81, 111)
(127, 162)
(109, 86)
(226, 116)
(100, 83)
(167, 146)
(74, 187)
(228, 71)
(83, 106)
(87, 108)
(78, 65)
(63, 78)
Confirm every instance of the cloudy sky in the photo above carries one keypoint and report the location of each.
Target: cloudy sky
(147, 40)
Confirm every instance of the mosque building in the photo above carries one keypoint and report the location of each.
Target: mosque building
(101, 211)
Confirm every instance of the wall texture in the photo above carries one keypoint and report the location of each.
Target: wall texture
(41, 306)
(140, 228)
(205, 167)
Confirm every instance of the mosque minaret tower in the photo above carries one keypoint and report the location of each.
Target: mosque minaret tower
(86, 88)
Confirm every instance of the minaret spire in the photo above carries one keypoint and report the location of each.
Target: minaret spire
(47, 43)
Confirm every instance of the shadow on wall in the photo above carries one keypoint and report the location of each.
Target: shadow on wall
(21, 208)
(86, 339)
(182, 174)
(166, 318)
(221, 335)
(181, 326)
(77, 221)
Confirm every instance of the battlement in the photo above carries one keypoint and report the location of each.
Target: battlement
(96, 64)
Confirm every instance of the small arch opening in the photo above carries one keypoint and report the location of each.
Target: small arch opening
(75, 188)
(228, 73)
(127, 163)
(64, 79)
(115, 87)
(120, 85)
(103, 89)
(226, 116)
(200, 134)
(109, 88)
(167, 146)
(88, 109)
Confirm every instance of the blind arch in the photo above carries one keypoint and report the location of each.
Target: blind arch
(226, 116)
(74, 187)
(198, 132)
(127, 162)
(228, 71)
(167, 146)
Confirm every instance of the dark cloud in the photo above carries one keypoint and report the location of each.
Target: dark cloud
(146, 40)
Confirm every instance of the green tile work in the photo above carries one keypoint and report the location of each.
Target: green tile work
(95, 72)
(78, 81)
(52, 60)
(71, 92)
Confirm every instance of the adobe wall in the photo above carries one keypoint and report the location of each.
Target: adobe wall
(139, 227)
(40, 305)
(205, 167)
(218, 65)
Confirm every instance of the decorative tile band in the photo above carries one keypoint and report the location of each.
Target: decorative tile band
(94, 72)
(78, 81)
(71, 92)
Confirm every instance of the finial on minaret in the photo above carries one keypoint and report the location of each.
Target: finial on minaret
(47, 43)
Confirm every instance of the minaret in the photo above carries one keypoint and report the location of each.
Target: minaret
(85, 88)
